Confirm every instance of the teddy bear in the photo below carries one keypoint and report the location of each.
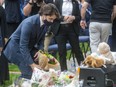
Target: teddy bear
(47, 61)
(93, 61)
(105, 53)
(101, 58)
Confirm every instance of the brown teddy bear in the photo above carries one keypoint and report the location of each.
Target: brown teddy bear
(94, 62)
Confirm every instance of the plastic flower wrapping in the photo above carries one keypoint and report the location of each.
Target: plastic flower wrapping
(52, 78)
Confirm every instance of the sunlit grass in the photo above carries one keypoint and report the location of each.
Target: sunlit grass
(13, 67)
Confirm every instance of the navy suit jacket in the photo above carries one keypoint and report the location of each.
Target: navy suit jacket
(22, 41)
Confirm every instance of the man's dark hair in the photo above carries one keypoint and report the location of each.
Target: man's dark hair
(49, 9)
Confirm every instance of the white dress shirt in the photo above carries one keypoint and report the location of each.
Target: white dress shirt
(67, 7)
(41, 22)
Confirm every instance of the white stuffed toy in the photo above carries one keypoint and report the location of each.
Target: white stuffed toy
(102, 58)
(105, 53)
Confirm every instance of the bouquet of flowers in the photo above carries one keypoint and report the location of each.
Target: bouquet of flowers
(64, 78)
(41, 78)
(47, 61)
(51, 79)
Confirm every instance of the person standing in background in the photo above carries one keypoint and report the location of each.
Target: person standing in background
(4, 75)
(87, 17)
(13, 16)
(100, 22)
(67, 30)
(31, 7)
(2, 25)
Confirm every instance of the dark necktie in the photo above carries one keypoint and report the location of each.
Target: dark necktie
(41, 35)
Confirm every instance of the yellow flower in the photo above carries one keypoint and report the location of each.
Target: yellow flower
(67, 77)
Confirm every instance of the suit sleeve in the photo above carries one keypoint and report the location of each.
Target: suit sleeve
(24, 42)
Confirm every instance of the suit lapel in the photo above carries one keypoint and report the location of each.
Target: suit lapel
(61, 3)
(74, 6)
(38, 29)
(41, 34)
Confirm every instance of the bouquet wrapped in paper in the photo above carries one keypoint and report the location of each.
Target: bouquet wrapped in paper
(47, 61)
(51, 79)
(44, 79)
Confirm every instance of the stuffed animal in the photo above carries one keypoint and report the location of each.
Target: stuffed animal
(94, 62)
(103, 57)
(105, 53)
(43, 59)
(47, 61)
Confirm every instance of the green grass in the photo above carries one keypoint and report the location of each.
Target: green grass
(13, 77)
(85, 44)
(13, 68)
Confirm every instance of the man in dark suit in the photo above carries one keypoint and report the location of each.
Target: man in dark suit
(22, 42)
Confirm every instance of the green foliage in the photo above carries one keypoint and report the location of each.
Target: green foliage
(86, 45)
(13, 77)
(13, 67)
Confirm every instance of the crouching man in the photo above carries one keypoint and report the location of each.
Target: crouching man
(21, 43)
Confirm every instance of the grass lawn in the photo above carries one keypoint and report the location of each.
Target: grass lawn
(12, 78)
(12, 68)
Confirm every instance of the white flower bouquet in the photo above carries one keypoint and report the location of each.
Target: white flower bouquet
(52, 78)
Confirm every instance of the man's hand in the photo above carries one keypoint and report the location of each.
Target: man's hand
(65, 18)
(35, 65)
(69, 19)
(36, 56)
(83, 24)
